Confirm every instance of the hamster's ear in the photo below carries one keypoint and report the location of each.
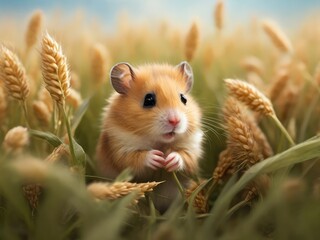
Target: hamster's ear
(121, 77)
(187, 73)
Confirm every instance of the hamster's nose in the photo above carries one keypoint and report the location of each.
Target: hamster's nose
(174, 121)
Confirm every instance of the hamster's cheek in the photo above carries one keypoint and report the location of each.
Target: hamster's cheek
(183, 125)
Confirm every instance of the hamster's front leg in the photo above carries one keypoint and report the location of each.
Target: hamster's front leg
(181, 160)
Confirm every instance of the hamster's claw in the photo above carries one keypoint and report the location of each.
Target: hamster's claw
(173, 162)
(154, 159)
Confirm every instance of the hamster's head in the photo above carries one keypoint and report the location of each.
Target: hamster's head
(153, 101)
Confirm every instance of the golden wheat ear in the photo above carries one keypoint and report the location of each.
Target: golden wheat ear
(122, 76)
(186, 71)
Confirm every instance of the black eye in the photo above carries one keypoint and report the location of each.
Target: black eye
(149, 100)
(183, 99)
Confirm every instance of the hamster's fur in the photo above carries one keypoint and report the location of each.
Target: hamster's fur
(151, 125)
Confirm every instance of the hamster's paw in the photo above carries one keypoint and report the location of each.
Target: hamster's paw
(174, 162)
(154, 159)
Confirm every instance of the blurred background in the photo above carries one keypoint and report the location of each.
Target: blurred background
(288, 13)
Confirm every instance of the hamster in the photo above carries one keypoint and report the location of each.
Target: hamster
(151, 125)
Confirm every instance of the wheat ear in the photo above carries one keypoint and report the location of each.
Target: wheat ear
(99, 63)
(253, 64)
(242, 146)
(33, 29)
(41, 112)
(277, 36)
(256, 101)
(219, 14)
(250, 96)
(102, 190)
(192, 41)
(14, 75)
(16, 139)
(200, 203)
(279, 84)
(56, 77)
(54, 69)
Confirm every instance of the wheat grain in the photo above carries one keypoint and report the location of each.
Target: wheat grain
(41, 112)
(250, 96)
(54, 69)
(16, 139)
(192, 41)
(219, 14)
(277, 36)
(102, 190)
(33, 29)
(14, 75)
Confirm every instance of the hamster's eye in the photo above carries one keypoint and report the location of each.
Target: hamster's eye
(149, 100)
(183, 99)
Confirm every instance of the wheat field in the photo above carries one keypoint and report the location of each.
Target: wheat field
(258, 86)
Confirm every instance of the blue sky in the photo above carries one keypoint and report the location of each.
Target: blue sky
(287, 13)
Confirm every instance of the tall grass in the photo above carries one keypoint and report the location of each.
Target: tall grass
(259, 176)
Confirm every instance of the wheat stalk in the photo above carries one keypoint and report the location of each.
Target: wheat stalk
(277, 36)
(14, 75)
(192, 41)
(54, 69)
(219, 14)
(102, 190)
(33, 29)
